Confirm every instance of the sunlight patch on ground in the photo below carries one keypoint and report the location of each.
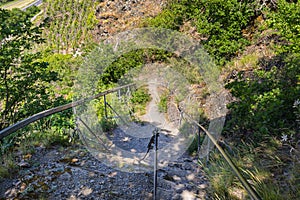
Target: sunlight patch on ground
(187, 195)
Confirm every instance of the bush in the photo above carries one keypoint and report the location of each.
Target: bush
(266, 98)
(139, 100)
(134, 59)
(107, 124)
(219, 22)
(163, 103)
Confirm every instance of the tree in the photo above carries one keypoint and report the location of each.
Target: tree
(23, 83)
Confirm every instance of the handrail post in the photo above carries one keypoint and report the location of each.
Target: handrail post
(199, 140)
(105, 106)
(156, 132)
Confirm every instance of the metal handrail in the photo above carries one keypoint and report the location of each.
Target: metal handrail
(13, 128)
(244, 182)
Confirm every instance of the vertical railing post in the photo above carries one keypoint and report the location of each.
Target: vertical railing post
(119, 95)
(208, 150)
(199, 141)
(155, 163)
(105, 106)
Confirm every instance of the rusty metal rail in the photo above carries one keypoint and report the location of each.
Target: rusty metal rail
(13, 128)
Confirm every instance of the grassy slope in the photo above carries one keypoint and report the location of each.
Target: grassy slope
(17, 4)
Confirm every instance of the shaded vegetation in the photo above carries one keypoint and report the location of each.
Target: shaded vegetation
(266, 98)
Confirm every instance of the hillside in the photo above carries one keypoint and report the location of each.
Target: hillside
(253, 44)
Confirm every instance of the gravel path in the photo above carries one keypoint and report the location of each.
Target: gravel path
(72, 173)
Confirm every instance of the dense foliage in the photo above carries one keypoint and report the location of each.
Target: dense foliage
(266, 100)
(24, 78)
(130, 60)
(220, 23)
(32, 82)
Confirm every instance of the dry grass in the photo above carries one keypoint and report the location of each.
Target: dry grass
(270, 167)
(250, 59)
(114, 19)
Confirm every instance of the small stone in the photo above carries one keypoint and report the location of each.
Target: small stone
(65, 175)
(17, 183)
(48, 178)
(188, 160)
(203, 186)
(176, 197)
(188, 187)
(179, 190)
(186, 166)
(74, 160)
(24, 164)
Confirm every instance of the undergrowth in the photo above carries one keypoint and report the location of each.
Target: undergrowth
(265, 166)
(22, 144)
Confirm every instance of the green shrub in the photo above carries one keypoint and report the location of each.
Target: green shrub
(219, 22)
(107, 124)
(134, 59)
(285, 20)
(140, 96)
(266, 98)
(163, 102)
(139, 100)
(264, 105)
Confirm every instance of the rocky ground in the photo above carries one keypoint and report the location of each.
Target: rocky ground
(73, 173)
(118, 15)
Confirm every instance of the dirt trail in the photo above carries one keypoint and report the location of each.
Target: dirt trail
(152, 112)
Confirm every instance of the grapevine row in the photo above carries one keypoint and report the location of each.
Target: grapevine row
(70, 24)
